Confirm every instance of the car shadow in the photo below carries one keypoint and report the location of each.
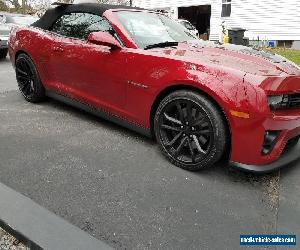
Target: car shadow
(6, 59)
(58, 105)
(221, 169)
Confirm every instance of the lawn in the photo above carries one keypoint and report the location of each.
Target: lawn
(291, 54)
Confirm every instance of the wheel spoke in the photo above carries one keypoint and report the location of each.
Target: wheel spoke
(22, 87)
(202, 139)
(171, 119)
(205, 124)
(203, 132)
(22, 72)
(180, 112)
(24, 78)
(193, 113)
(191, 150)
(188, 112)
(26, 89)
(198, 121)
(170, 127)
(174, 139)
(25, 67)
(178, 150)
(198, 144)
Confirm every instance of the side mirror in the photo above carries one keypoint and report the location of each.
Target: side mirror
(105, 39)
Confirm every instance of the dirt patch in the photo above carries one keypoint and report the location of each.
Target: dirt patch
(8, 242)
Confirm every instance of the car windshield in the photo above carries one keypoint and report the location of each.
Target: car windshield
(21, 20)
(147, 28)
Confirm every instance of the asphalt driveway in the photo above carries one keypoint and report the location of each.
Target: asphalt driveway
(117, 186)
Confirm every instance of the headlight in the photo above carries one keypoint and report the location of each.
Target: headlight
(278, 101)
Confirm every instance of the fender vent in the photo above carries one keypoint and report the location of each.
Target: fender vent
(269, 141)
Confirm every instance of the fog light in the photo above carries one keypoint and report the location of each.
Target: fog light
(270, 140)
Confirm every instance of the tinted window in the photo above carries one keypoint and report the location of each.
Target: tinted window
(80, 25)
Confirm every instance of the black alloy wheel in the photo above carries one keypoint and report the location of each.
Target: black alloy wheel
(28, 79)
(190, 130)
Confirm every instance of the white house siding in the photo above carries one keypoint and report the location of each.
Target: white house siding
(266, 19)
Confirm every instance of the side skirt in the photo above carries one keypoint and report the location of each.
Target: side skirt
(100, 113)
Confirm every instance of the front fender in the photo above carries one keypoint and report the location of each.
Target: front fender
(226, 89)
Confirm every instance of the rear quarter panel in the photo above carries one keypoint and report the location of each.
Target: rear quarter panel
(34, 42)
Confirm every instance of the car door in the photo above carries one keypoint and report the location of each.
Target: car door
(88, 72)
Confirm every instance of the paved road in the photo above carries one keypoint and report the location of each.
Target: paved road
(116, 185)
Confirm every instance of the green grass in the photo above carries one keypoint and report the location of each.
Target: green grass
(290, 54)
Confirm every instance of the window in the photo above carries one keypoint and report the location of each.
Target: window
(226, 8)
(80, 25)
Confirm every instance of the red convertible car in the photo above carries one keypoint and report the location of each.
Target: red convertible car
(200, 100)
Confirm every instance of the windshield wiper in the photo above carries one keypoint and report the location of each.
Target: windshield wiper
(161, 45)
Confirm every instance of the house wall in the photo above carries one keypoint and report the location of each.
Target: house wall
(266, 19)
(215, 21)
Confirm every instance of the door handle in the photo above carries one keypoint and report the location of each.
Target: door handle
(58, 49)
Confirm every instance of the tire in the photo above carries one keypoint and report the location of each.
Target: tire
(3, 53)
(28, 79)
(191, 130)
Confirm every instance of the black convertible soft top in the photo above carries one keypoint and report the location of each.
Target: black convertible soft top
(51, 15)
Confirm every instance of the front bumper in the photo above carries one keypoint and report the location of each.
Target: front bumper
(248, 137)
(3, 42)
(291, 155)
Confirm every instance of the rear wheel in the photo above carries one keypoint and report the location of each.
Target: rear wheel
(190, 130)
(28, 79)
(3, 53)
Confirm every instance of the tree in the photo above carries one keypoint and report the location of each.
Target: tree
(14, 3)
(3, 6)
(40, 6)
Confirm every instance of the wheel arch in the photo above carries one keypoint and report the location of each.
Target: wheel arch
(19, 52)
(168, 90)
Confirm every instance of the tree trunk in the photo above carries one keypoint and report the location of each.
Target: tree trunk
(24, 6)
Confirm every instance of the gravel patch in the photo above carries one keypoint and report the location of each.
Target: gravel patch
(8, 242)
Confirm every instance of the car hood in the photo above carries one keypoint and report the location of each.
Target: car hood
(235, 57)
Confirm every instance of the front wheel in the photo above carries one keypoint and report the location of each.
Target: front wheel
(190, 130)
